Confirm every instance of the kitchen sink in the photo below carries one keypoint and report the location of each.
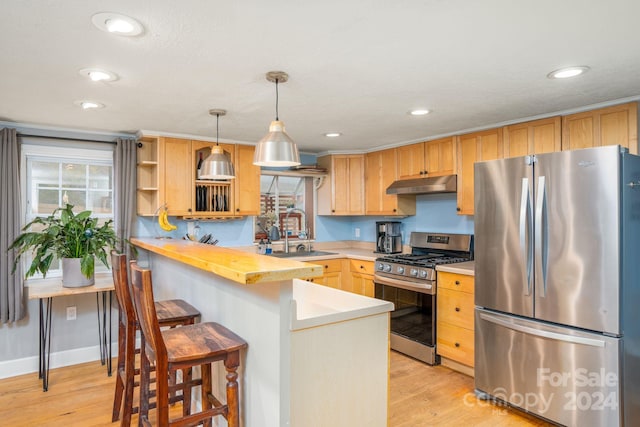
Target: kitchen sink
(300, 254)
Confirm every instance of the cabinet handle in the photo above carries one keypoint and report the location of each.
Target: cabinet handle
(326, 266)
(333, 210)
(457, 308)
(426, 172)
(457, 344)
(237, 209)
(395, 210)
(457, 282)
(189, 209)
(362, 266)
(421, 172)
(458, 209)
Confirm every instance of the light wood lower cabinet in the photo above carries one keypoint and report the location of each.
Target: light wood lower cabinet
(361, 273)
(455, 314)
(332, 273)
(348, 275)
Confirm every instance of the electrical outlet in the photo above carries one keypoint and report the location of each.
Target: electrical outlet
(71, 313)
(357, 232)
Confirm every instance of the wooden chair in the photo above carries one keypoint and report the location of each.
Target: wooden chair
(171, 313)
(193, 345)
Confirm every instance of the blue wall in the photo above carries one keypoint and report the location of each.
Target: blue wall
(434, 213)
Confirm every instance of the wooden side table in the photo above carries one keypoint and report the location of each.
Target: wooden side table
(46, 290)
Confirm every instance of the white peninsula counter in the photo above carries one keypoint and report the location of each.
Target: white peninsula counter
(317, 356)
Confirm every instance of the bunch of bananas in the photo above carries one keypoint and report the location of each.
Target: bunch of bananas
(163, 220)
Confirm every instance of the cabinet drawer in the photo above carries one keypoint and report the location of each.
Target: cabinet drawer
(456, 308)
(364, 267)
(458, 282)
(329, 265)
(455, 343)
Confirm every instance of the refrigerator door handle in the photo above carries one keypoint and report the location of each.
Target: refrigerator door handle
(525, 218)
(541, 235)
(543, 334)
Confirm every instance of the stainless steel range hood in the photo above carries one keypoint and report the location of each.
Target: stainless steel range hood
(432, 185)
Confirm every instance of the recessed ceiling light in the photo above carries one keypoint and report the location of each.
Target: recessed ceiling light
(116, 23)
(89, 105)
(419, 112)
(565, 73)
(97, 75)
(332, 134)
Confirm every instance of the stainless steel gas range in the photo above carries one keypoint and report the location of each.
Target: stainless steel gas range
(409, 281)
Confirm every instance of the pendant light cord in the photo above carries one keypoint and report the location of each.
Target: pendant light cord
(277, 99)
(217, 128)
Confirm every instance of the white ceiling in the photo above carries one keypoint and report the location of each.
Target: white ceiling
(355, 66)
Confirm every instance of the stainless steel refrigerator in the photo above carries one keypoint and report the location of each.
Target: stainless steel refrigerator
(557, 285)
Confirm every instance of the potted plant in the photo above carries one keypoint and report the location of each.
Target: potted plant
(75, 239)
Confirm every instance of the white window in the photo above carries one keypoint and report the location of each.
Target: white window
(278, 196)
(55, 172)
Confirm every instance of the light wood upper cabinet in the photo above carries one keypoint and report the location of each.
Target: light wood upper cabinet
(536, 137)
(342, 193)
(247, 182)
(210, 199)
(380, 173)
(148, 175)
(177, 175)
(430, 158)
(440, 155)
(616, 125)
(474, 147)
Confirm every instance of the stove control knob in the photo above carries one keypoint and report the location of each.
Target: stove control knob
(380, 266)
(400, 270)
(413, 272)
(387, 268)
(423, 274)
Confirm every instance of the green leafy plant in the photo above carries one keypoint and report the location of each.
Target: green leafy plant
(65, 235)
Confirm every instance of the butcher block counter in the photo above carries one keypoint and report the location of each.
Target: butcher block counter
(241, 267)
(311, 348)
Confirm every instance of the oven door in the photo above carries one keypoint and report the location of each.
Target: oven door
(413, 320)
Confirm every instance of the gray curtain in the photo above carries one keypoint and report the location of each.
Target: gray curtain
(12, 307)
(124, 162)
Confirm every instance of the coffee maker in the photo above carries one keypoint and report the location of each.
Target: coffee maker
(388, 237)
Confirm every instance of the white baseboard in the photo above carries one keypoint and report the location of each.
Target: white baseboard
(27, 365)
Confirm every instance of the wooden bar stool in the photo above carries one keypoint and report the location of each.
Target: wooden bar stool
(171, 313)
(193, 345)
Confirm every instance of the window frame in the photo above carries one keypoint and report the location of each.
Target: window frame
(61, 151)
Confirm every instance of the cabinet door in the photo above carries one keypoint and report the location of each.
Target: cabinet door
(473, 147)
(380, 172)
(617, 125)
(455, 343)
(247, 182)
(440, 157)
(177, 175)
(362, 284)
(343, 194)
(536, 137)
(411, 161)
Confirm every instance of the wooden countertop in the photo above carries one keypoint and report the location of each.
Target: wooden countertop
(52, 286)
(239, 266)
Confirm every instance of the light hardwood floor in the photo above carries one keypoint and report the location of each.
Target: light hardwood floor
(420, 395)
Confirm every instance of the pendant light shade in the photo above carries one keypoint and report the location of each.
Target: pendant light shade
(218, 165)
(276, 149)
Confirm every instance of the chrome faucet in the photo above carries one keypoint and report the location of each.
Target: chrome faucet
(286, 226)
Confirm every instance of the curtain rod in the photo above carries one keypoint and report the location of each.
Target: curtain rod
(63, 138)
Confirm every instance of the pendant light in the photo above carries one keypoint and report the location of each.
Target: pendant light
(276, 148)
(218, 165)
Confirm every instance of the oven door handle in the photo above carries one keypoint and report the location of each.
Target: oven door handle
(424, 288)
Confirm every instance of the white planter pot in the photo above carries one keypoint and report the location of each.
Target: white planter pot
(72, 277)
